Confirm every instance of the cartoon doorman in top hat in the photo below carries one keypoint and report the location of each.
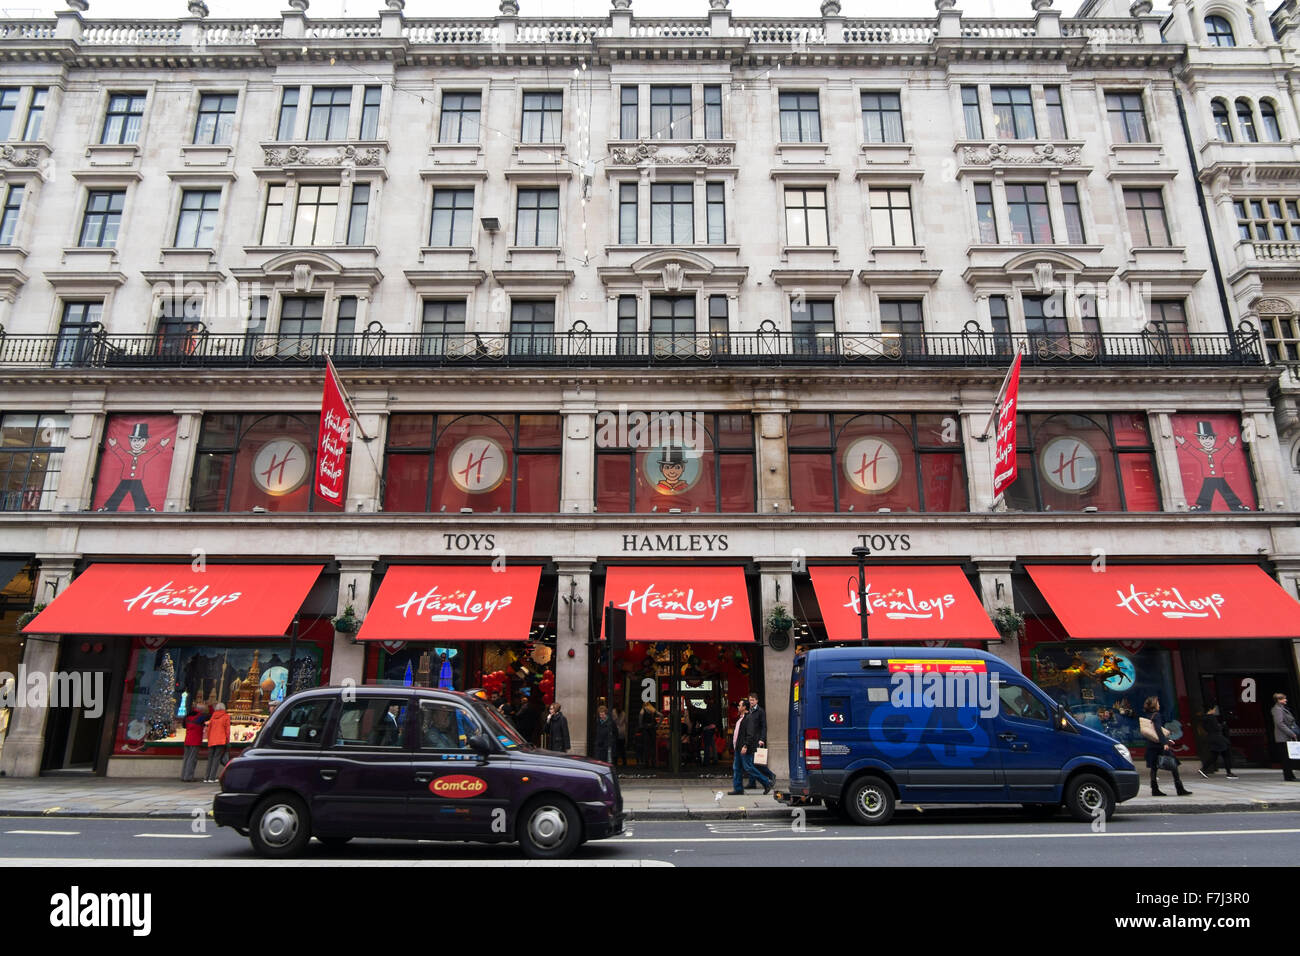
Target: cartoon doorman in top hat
(133, 467)
(1210, 457)
(672, 465)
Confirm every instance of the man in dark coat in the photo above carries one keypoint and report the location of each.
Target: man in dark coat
(1217, 743)
(557, 730)
(749, 741)
(757, 717)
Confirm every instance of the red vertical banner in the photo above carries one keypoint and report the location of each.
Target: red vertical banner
(334, 435)
(1004, 457)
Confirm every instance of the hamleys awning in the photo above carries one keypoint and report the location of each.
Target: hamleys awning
(681, 603)
(176, 600)
(435, 603)
(904, 603)
(1160, 601)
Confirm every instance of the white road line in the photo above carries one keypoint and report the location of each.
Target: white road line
(174, 836)
(380, 861)
(1084, 835)
(44, 832)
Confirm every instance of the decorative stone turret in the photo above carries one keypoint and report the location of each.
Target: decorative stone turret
(1140, 8)
(509, 8)
(81, 6)
(300, 5)
(621, 18)
(830, 8)
(622, 4)
(197, 8)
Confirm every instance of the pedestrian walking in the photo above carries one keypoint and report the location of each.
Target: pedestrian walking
(738, 765)
(620, 735)
(1284, 731)
(1216, 741)
(1160, 752)
(605, 731)
(218, 741)
(758, 717)
(557, 730)
(527, 719)
(193, 740)
(748, 740)
(647, 735)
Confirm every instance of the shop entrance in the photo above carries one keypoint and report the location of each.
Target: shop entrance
(1246, 705)
(82, 695)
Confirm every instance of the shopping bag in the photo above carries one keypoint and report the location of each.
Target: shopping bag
(760, 756)
(1147, 729)
(1293, 749)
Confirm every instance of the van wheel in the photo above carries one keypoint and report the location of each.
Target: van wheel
(549, 829)
(870, 802)
(280, 826)
(1088, 796)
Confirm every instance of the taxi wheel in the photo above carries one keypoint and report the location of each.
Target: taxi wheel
(280, 826)
(1088, 796)
(549, 828)
(870, 802)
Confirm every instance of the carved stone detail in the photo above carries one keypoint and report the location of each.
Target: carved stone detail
(17, 156)
(312, 156)
(1274, 307)
(686, 155)
(1003, 153)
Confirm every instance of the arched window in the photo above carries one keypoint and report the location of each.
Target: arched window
(1246, 120)
(1219, 32)
(1222, 124)
(1268, 117)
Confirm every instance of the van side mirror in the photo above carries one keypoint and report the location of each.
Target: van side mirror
(480, 744)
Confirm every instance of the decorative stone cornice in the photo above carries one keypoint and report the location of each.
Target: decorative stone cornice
(1010, 154)
(348, 155)
(21, 157)
(692, 154)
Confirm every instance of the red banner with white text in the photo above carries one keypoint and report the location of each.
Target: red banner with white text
(332, 441)
(1004, 457)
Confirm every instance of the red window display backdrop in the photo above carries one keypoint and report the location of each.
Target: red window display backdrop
(1070, 462)
(135, 463)
(508, 463)
(255, 461)
(1215, 462)
(708, 470)
(863, 463)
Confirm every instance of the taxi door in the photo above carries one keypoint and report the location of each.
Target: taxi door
(457, 793)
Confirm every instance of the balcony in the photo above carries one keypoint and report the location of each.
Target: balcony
(581, 348)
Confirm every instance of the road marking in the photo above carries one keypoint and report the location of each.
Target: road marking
(44, 832)
(315, 863)
(1085, 835)
(174, 836)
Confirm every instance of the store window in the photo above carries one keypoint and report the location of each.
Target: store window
(686, 461)
(255, 461)
(864, 463)
(1070, 462)
(1214, 462)
(31, 459)
(488, 463)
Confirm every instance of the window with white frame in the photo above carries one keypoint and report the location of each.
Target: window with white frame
(461, 117)
(1128, 118)
(882, 117)
(542, 116)
(453, 215)
(801, 120)
(891, 216)
(9, 213)
(672, 213)
(670, 112)
(1147, 222)
(123, 119)
(806, 222)
(196, 226)
(537, 217)
(215, 124)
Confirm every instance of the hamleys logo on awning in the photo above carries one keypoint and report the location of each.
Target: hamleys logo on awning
(901, 604)
(1169, 602)
(192, 601)
(459, 605)
(679, 604)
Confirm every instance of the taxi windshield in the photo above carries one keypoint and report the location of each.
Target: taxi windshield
(501, 729)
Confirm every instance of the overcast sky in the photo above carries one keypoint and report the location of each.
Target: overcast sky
(149, 9)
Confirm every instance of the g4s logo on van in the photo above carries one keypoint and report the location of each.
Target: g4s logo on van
(897, 732)
(458, 786)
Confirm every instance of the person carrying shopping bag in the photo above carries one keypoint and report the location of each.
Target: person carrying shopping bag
(1160, 752)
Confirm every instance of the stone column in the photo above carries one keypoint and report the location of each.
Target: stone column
(184, 452)
(776, 587)
(82, 453)
(366, 459)
(25, 745)
(1169, 471)
(578, 459)
(348, 659)
(771, 459)
(979, 455)
(1259, 20)
(995, 591)
(573, 660)
(1266, 459)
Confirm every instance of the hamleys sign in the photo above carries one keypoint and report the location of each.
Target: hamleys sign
(682, 604)
(479, 602)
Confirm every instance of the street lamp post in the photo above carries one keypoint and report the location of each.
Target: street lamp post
(861, 554)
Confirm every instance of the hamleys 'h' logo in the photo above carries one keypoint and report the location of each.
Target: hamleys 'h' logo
(901, 604)
(280, 466)
(679, 604)
(1169, 602)
(872, 465)
(1069, 464)
(477, 465)
(192, 601)
(458, 605)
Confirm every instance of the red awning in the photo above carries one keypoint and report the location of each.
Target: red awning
(1174, 601)
(903, 604)
(681, 604)
(174, 600)
(434, 603)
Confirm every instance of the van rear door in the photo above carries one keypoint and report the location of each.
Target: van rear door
(798, 700)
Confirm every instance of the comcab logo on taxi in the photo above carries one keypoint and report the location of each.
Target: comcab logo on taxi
(457, 786)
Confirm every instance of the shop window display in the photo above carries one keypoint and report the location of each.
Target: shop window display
(255, 461)
(489, 463)
(867, 462)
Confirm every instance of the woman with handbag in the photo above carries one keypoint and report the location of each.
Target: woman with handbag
(1160, 754)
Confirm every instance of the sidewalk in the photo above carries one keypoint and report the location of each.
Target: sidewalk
(644, 799)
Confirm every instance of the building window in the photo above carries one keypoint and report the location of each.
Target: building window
(460, 117)
(672, 213)
(328, 119)
(1246, 121)
(713, 112)
(672, 326)
(715, 196)
(197, 226)
(882, 117)
(970, 109)
(532, 327)
(1169, 322)
(1055, 112)
(985, 216)
(542, 117)
(1268, 219)
(805, 217)
(77, 326)
(9, 214)
(1073, 209)
(179, 318)
(124, 119)
(688, 462)
(488, 463)
(1000, 320)
(358, 214)
(8, 110)
(288, 113)
(1146, 217)
(370, 101)
(891, 217)
(1218, 31)
(670, 112)
(442, 327)
(216, 123)
(31, 459)
(1222, 124)
(863, 463)
(628, 112)
(1013, 113)
(1031, 222)
(1268, 116)
(902, 319)
(103, 218)
(255, 461)
(345, 325)
(453, 215)
(1128, 118)
(537, 221)
(627, 214)
(627, 331)
(1070, 462)
(1046, 323)
(35, 114)
(1281, 337)
(300, 317)
(719, 325)
(315, 215)
(801, 120)
(812, 326)
(274, 212)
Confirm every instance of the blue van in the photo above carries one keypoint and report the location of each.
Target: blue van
(874, 726)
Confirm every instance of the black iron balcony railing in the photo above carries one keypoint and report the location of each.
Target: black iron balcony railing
(579, 348)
